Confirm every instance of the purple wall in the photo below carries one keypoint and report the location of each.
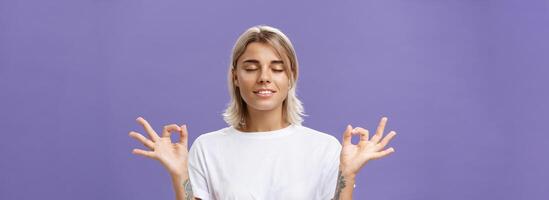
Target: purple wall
(463, 82)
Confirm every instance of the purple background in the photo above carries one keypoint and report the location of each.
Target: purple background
(463, 82)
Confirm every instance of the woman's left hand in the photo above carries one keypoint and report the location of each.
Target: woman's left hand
(354, 157)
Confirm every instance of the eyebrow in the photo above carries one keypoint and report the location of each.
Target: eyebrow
(257, 61)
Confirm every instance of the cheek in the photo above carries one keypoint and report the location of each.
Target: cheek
(245, 81)
(283, 82)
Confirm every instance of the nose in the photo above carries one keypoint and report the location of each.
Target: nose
(265, 77)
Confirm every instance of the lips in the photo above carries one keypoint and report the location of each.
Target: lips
(264, 91)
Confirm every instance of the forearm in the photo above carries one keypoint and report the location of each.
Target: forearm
(182, 187)
(345, 186)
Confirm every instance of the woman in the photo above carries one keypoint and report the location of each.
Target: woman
(265, 153)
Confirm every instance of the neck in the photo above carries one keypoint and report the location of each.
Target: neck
(265, 120)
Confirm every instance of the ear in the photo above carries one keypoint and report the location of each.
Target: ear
(289, 84)
(235, 78)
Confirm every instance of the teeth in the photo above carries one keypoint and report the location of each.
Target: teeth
(265, 92)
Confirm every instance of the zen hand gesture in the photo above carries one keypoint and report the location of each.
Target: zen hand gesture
(173, 156)
(354, 157)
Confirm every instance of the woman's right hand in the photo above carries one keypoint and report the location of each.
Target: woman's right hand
(173, 156)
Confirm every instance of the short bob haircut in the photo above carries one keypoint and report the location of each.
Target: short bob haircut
(292, 108)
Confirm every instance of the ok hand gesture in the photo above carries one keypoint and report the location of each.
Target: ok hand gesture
(173, 156)
(354, 157)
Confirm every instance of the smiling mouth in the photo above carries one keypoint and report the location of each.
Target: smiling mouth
(264, 92)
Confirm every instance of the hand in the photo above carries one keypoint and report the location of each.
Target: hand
(173, 156)
(354, 157)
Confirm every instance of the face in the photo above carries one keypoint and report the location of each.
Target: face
(261, 77)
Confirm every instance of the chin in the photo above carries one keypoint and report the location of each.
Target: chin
(263, 107)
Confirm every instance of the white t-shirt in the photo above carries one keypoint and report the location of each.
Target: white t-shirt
(294, 162)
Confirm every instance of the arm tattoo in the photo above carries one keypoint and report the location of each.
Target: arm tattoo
(340, 185)
(188, 190)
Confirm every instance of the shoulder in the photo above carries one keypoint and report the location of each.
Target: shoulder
(326, 146)
(213, 134)
(210, 137)
(319, 136)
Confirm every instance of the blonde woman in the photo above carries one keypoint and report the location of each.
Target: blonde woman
(265, 152)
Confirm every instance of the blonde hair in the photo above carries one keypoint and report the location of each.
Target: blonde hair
(292, 108)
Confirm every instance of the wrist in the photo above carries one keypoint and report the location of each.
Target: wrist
(179, 176)
(345, 172)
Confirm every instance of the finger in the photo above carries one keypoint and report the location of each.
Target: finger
(152, 134)
(148, 143)
(347, 135)
(387, 139)
(379, 130)
(167, 130)
(183, 136)
(364, 135)
(148, 154)
(383, 153)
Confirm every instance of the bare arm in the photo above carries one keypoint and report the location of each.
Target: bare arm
(182, 188)
(344, 187)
